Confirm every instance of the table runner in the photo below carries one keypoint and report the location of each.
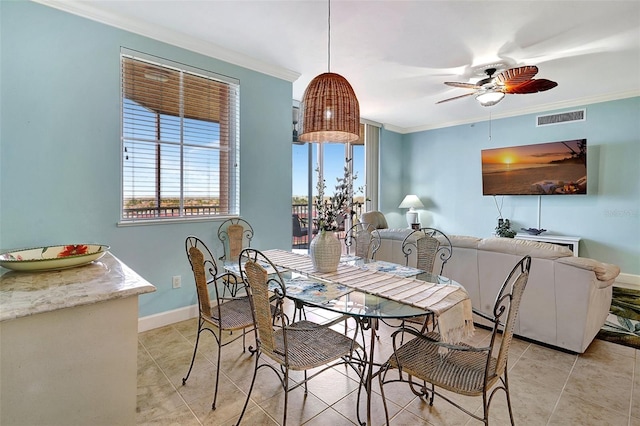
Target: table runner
(449, 302)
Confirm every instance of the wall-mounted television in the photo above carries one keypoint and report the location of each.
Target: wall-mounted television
(555, 168)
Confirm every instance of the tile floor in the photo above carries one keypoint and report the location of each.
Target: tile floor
(548, 387)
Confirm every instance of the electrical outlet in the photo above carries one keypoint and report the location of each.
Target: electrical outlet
(176, 281)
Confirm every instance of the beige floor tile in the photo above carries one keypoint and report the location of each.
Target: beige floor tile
(229, 405)
(329, 417)
(572, 410)
(548, 387)
(181, 416)
(157, 401)
(331, 386)
(540, 371)
(543, 355)
(532, 402)
(347, 407)
(605, 385)
(407, 418)
(254, 416)
(443, 413)
(300, 407)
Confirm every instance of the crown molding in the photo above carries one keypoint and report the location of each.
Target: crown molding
(84, 9)
(541, 108)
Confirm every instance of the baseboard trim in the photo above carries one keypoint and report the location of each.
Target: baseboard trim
(166, 318)
(628, 281)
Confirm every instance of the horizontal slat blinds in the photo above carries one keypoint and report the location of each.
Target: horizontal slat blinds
(180, 142)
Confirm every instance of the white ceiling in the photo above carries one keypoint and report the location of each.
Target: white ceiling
(397, 54)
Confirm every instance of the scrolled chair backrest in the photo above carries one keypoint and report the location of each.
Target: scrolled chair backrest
(445, 248)
(508, 303)
(258, 281)
(204, 271)
(365, 238)
(235, 234)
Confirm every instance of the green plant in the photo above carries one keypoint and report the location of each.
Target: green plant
(504, 229)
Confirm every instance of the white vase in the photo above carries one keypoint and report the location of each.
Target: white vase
(325, 250)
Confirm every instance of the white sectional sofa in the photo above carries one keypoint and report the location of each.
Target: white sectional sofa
(567, 298)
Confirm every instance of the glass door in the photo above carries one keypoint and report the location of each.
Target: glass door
(328, 160)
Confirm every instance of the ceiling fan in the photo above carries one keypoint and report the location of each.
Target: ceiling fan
(490, 90)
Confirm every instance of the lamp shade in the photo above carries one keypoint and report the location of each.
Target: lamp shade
(411, 201)
(330, 111)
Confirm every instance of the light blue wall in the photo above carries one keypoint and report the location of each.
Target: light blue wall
(442, 166)
(60, 147)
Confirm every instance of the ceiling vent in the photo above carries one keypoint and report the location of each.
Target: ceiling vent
(563, 117)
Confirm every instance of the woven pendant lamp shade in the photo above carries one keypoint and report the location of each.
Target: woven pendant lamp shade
(330, 110)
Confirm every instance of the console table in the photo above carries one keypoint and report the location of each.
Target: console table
(68, 344)
(564, 240)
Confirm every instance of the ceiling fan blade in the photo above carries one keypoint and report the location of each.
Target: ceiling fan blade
(530, 86)
(515, 76)
(462, 85)
(457, 97)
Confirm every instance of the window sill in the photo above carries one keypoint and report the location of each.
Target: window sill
(145, 222)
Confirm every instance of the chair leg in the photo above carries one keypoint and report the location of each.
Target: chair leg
(195, 349)
(215, 392)
(506, 390)
(253, 380)
(286, 393)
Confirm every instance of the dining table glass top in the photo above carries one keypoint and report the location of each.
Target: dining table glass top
(310, 290)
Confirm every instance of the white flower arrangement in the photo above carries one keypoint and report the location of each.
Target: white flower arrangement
(330, 213)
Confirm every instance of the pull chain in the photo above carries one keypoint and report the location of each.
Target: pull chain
(489, 125)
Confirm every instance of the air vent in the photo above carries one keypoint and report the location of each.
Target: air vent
(563, 117)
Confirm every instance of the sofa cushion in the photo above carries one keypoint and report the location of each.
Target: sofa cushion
(464, 241)
(525, 247)
(375, 218)
(396, 234)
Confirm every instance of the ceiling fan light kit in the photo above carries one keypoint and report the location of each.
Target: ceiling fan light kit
(489, 98)
(330, 111)
(491, 90)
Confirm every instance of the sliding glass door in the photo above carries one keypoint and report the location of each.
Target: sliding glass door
(326, 160)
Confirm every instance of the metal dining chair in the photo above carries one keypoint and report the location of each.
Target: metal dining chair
(461, 368)
(362, 240)
(235, 234)
(297, 346)
(444, 249)
(228, 310)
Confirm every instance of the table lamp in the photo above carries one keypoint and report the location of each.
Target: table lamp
(411, 202)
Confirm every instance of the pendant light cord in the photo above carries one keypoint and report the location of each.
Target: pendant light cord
(329, 37)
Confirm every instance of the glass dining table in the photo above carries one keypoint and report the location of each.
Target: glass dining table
(338, 295)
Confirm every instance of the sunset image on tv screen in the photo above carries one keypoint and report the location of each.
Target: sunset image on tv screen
(556, 168)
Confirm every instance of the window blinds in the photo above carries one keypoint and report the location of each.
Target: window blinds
(180, 141)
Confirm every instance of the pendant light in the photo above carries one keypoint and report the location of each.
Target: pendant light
(330, 111)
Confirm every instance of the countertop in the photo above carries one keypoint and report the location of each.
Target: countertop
(29, 293)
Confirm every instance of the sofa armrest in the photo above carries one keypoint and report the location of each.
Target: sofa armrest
(605, 273)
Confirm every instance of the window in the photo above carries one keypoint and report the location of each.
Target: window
(180, 144)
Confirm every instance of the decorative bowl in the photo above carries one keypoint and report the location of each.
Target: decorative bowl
(52, 257)
(533, 231)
